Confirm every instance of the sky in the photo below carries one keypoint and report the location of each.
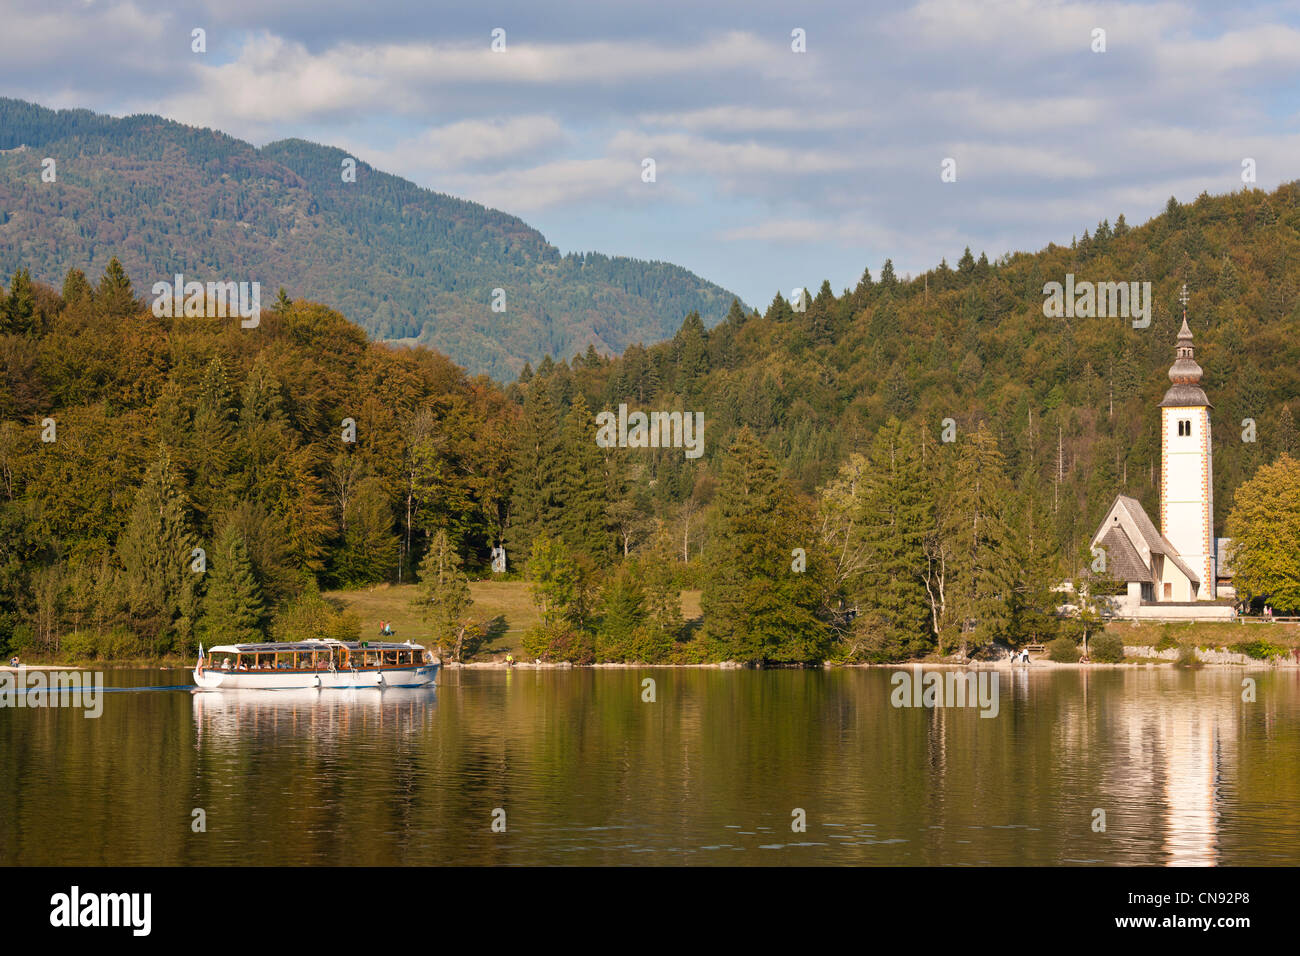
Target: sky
(774, 167)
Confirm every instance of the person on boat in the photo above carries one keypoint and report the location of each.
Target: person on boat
(13, 662)
(225, 664)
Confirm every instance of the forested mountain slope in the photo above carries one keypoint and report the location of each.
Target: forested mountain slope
(403, 262)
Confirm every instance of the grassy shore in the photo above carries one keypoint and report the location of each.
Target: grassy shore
(506, 606)
(1209, 634)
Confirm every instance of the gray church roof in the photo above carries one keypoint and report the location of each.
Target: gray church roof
(1122, 560)
(1123, 557)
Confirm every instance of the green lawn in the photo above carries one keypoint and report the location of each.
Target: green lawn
(1207, 634)
(505, 605)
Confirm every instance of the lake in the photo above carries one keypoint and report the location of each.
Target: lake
(578, 769)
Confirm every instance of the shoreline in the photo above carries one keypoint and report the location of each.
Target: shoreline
(1142, 656)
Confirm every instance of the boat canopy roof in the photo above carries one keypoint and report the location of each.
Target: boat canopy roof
(288, 647)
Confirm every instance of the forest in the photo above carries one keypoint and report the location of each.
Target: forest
(405, 263)
(906, 468)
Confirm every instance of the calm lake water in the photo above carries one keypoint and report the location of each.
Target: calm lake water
(710, 773)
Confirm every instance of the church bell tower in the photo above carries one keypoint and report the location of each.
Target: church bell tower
(1186, 468)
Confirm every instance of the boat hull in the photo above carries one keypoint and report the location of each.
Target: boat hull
(378, 678)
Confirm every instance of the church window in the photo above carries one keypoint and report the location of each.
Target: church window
(1184, 427)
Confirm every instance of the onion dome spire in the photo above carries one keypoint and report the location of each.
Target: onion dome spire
(1185, 373)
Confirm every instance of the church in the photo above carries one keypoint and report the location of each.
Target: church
(1177, 571)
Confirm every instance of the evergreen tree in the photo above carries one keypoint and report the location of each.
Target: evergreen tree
(864, 287)
(888, 281)
(370, 546)
(18, 308)
(535, 504)
(757, 607)
(263, 433)
(155, 550)
(966, 265)
(735, 315)
(561, 590)
(894, 514)
(233, 608)
(1287, 441)
(209, 455)
(444, 599)
(983, 571)
(690, 348)
(582, 522)
(76, 288)
(114, 296)
(621, 614)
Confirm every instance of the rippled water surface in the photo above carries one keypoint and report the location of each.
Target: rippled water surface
(712, 772)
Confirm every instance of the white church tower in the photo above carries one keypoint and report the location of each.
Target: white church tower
(1187, 472)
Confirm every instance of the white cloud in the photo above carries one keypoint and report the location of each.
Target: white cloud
(550, 184)
(739, 118)
(474, 143)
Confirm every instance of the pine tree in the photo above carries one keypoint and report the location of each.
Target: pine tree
(263, 433)
(864, 287)
(757, 607)
(1288, 440)
(622, 612)
(233, 608)
(894, 515)
(370, 546)
(114, 296)
(560, 588)
(582, 521)
(966, 265)
(444, 599)
(155, 550)
(535, 474)
(76, 288)
(735, 315)
(18, 309)
(691, 355)
(888, 281)
(983, 572)
(209, 453)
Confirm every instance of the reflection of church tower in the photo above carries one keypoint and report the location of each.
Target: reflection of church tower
(1187, 475)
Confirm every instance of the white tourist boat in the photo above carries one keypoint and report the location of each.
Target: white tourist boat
(314, 664)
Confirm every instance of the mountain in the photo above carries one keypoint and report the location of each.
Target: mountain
(405, 263)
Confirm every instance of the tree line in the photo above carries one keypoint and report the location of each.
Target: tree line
(904, 468)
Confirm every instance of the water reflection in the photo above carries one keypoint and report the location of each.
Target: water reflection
(235, 716)
(710, 773)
